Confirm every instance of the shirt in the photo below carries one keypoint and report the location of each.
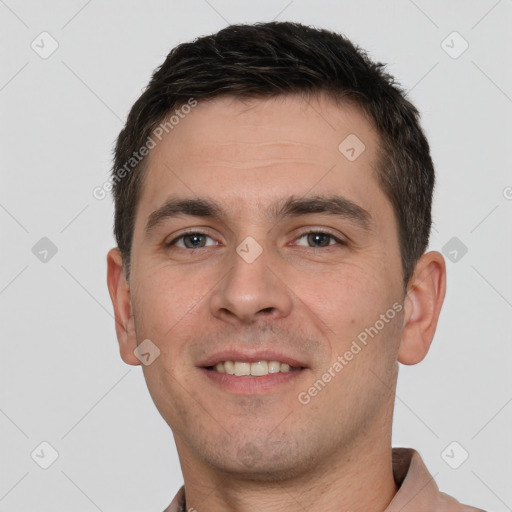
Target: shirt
(418, 491)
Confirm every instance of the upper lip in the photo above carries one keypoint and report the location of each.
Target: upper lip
(250, 356)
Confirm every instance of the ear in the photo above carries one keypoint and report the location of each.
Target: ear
(119, 291)
(425, 296)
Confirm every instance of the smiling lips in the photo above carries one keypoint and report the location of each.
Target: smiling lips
(256, 372)
(255, 369)
(246, 363)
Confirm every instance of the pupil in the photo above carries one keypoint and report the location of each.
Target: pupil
(194, 237)
(315, 236)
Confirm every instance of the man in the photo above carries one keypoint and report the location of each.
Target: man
(273, 193)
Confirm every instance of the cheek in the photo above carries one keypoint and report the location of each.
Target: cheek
(358, 308)
(362, 309)
(163, 298)
(348, 296)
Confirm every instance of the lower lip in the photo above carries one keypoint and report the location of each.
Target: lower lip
(249, 385)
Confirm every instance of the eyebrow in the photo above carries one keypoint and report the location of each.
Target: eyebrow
(335, 205)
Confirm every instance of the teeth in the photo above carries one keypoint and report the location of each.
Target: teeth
(242, 369)
(274, 366)
(257, 369)
(260, 368)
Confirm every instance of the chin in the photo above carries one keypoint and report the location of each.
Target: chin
(250, 462)
(263, 471)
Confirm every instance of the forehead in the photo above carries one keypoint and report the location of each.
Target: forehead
(254, 152)
(236, 132)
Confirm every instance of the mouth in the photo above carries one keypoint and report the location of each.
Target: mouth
(255, 369)
(255, 373)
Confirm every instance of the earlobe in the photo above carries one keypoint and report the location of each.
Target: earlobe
(119, 291)
(422, 307)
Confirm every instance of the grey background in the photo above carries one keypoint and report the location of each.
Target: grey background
(62, 380)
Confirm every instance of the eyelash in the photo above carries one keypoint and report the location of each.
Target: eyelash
(316, 232)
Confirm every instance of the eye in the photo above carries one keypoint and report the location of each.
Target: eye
(193, 240)
(321, 238)
(197, 240)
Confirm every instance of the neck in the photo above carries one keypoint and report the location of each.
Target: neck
(358, 480)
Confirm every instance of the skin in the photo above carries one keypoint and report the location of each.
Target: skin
(269, 452)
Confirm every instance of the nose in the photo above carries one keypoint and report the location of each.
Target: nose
(251, 290)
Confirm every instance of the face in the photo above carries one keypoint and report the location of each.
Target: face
(290, 257)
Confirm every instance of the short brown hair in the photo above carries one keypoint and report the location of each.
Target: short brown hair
(277, 58)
